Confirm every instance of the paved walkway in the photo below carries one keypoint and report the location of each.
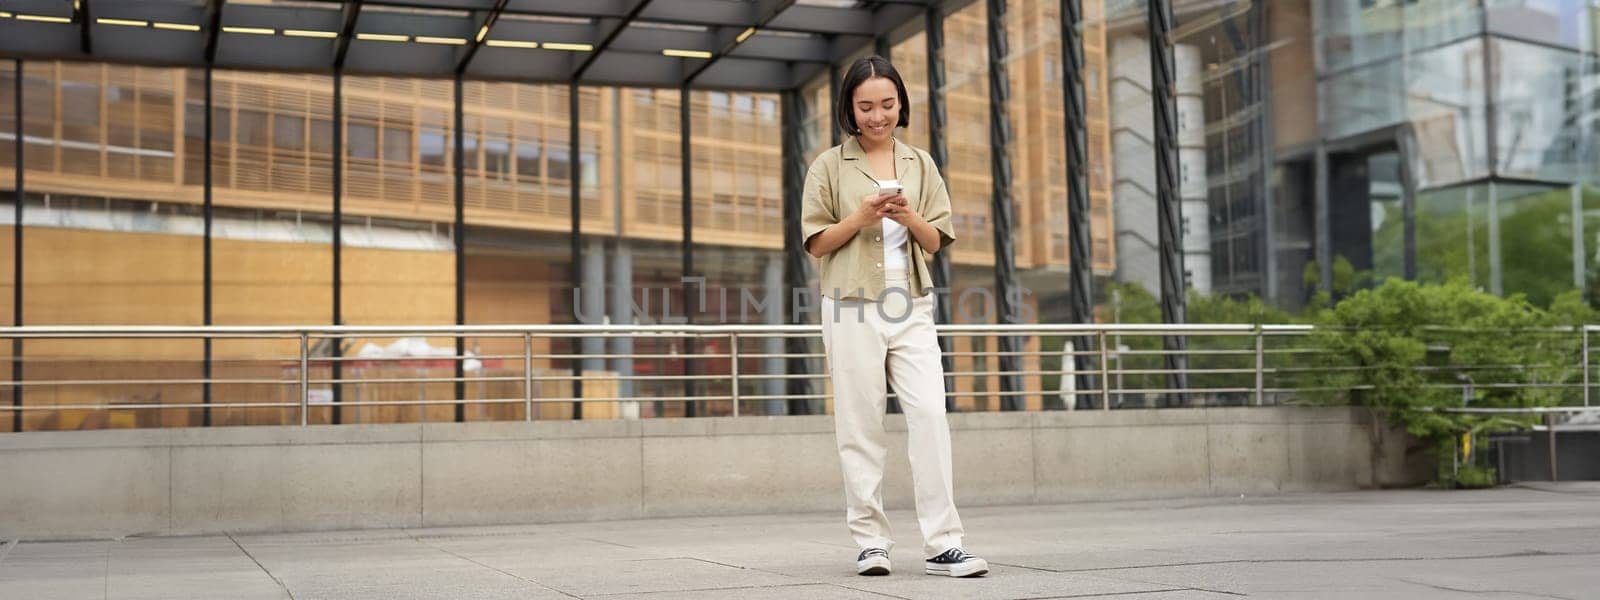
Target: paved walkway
(1529, 541)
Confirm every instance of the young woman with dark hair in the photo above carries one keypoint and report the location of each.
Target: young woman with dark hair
(874, 210)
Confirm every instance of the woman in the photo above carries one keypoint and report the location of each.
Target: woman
(874, 210)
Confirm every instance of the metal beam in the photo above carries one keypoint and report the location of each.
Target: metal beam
(213, 28)
(1008, 294)
(686, 162)
(826, 19)
(647, 39)
(592, 9)
(1169, 206)
(575, 231)
(81, 14)
(883, 48)
(20, 191)
(338, 240)
(708, 12)
(797, 271)
(1079, 239)
(609, 37)
(207, 280)
(460, 239)
(938, 118)
(834, 127)
(350, 11)
(763, 11)
(744, 74)
(479, 33)
(784, 48)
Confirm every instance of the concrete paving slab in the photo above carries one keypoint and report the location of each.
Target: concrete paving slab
(1513, 542)
(60, 570)
(198, 568)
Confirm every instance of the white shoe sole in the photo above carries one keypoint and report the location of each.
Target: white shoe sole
(873, 565)
(971, 568)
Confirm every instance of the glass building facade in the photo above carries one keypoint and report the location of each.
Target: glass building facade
(1475, 117)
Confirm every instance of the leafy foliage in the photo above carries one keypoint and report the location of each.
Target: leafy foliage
(1402, 348)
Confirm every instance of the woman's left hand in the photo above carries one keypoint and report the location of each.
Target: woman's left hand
(897, 208)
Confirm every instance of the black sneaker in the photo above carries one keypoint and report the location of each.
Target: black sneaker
(873, 561)
(956, 563)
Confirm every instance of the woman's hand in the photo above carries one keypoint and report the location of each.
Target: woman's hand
(868, 213)
(897, 208)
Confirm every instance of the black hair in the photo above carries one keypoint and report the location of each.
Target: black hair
(859, 73)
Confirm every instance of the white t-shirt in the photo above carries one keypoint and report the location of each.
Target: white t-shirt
(894, 245)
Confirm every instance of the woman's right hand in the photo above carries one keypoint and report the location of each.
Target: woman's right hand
(867, 214)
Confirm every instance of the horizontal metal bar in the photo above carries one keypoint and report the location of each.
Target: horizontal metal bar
(347, 331)
(756, 335)
(782, 355)
(743, 397)
(78, 382)
(1025, 353)
(1192, 390)
(633, 356)
(152, 406)
(1029, 373)
(1189, 371)
(1499, 386)
(1496, 410)
(783, 376)
(1190, 352)
(1014, 393)
(1503, 367)
(403, 380)
(609, 376)
(650, 399)
(446, 357)
(432, 402)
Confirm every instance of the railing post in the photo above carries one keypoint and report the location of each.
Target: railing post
(527, 376)
(305, 378)
(733, 368)
(1105, 372)
(1584, 331)
(1550, 428)
(1261, 352)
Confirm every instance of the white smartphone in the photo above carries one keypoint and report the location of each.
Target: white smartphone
(889, 186)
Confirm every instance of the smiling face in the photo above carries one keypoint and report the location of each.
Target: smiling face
(877, 109)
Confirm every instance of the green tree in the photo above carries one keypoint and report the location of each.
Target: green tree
(1407, 350)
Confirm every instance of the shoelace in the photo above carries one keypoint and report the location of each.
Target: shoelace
(872, 552)
(954, 555)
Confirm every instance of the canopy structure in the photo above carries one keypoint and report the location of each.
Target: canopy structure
(750, 45)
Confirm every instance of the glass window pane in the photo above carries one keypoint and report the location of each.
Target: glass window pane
(1535, 240)
(1453, 235)
(252, 127)
(431, 145)
(288, 132)
(528, 164)
(363, 141)
(1545, 101)
(322, 136)
(397, 145)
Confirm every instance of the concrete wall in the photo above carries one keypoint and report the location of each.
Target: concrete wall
(61, 485)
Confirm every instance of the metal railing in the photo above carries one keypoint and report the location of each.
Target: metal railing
(728, 369)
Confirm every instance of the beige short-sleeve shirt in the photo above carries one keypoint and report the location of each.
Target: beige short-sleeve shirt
(837, 182)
